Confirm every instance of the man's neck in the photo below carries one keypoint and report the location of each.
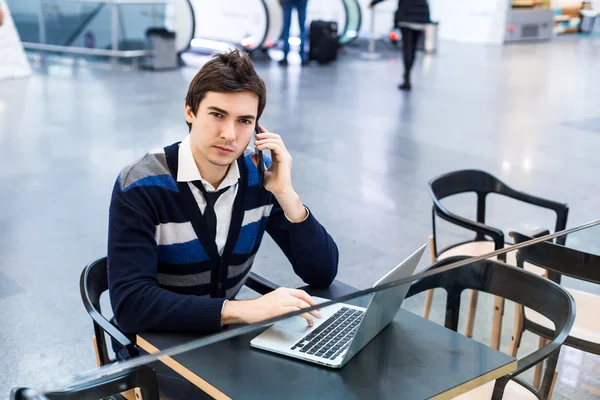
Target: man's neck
(213, 174)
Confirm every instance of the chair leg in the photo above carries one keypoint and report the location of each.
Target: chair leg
(517, 332)
(553, 384)
(537, 376)
(96, 352)
(133, 394)
(497, 322)
(432, 256)
(429, 298)
(428, 301)
(471, 316)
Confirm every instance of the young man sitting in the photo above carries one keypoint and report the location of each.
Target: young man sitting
(187, 220)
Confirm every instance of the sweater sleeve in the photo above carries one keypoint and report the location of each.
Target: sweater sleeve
(138, 303)
(310, 249)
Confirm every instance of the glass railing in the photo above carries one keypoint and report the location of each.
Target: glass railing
(374, 343)
(84, 23)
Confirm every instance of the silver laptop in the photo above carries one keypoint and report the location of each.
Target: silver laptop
(344, 329)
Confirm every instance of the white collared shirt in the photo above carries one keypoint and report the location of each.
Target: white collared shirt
(187, 171)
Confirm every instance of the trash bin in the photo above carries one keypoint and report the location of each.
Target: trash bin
(589, 19)
(164, 49)
(428, 42)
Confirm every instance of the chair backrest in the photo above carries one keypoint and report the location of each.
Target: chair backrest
(25, 394)
(142, 377)
(559, 259)
(512, 283)
(465, 181)
(482, 184)
(468, 181)
(94, 282)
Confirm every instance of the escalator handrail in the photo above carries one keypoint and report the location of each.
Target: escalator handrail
(262, 41)
(346, 25)
(193, 30)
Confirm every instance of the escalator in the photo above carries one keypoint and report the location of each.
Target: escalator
(200, 25)
(257, 24)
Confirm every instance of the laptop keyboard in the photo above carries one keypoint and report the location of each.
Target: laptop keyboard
(333, 336)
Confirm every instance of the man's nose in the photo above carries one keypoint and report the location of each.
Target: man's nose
(228, 132)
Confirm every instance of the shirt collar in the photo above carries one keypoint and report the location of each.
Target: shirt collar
(187, 170)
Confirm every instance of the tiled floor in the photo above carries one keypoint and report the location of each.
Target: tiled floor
(363, 154)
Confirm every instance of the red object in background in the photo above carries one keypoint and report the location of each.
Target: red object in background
(394, 36)
(511, 28)
(269, 43)
(248, 46)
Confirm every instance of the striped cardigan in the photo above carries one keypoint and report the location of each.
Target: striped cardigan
(165, 273)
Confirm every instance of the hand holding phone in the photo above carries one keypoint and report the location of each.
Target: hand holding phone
(261, 160)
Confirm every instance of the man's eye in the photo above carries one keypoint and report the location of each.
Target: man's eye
(216, 114)
(245, 121)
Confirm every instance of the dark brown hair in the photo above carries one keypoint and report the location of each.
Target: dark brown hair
(226, 73)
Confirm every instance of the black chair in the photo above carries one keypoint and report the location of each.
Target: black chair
(94, 282)
(487, 238)
(515, 284)
(559, 260)
(142, 378)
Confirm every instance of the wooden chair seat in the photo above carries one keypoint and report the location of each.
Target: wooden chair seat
(474, 249)
(587, 324)
(513, 391)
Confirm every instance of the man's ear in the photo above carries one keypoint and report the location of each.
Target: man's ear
(189, 113)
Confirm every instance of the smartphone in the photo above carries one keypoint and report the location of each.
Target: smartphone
(261, 160)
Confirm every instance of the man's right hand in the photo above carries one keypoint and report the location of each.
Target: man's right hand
(279, 302)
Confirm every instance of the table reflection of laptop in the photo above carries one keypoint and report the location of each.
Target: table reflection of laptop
(343, 329)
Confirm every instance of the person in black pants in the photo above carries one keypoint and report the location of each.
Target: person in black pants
(411, 17)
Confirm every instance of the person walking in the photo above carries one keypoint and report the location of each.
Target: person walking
(411, 17)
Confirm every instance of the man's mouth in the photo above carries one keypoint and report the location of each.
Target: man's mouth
(224, 150)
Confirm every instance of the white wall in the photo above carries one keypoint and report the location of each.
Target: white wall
(565, 3)
(13, 63)
(229, 20)
(475, 21)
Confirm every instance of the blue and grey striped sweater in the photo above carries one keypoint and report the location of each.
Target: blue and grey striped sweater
(165, 274)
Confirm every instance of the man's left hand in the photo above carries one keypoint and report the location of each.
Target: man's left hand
(278, 178)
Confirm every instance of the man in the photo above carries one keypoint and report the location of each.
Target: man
(288, 6)
(186, 221)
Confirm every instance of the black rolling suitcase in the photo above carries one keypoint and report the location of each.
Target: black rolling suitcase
(323, 41)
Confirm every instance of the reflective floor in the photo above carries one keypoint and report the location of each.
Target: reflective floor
(363, 154)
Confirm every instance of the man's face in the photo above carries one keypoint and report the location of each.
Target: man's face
(222, 126)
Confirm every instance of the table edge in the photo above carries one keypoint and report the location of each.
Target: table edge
(183, 371)
(477, 382)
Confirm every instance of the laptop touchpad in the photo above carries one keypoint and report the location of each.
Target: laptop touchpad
(298, 325)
